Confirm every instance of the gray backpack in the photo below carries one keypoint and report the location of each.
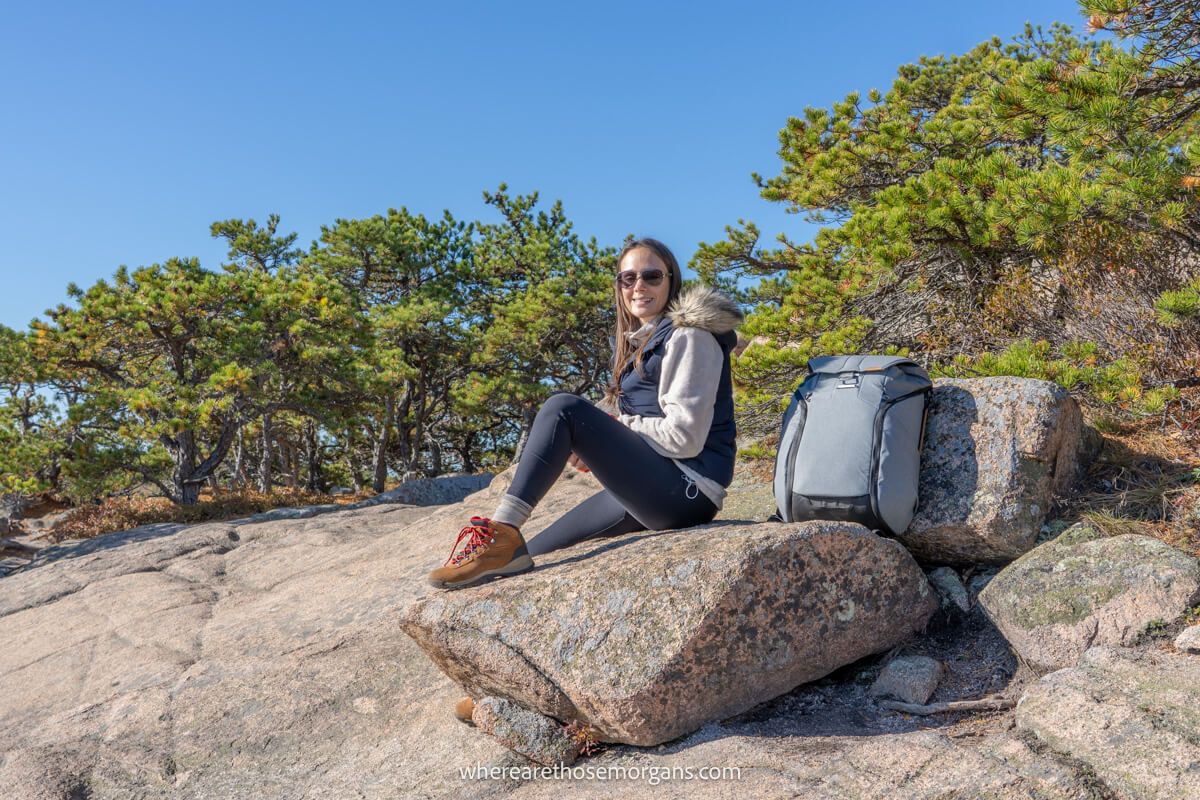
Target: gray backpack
(850, 447)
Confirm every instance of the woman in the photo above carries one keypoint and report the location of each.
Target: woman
(665, 454)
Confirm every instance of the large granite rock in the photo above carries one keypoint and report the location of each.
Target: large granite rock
(1084, 589)
(1132, 718)
(1188, 640)
(663, 632)
(997, 452)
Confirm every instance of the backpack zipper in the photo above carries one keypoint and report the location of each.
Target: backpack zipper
(789, 471)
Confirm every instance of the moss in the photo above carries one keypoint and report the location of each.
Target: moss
(1078, 534)
(1066, 605)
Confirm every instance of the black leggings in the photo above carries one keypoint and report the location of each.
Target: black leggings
(642, 489)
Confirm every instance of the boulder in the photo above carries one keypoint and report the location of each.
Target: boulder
(653, 635)
(1188, 640)
(1131, 717)
(911, 679)
(432, 491)
(997, 452)
(1084, 589)
(979, 582)
(537, 737)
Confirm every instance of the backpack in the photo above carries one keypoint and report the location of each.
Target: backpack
(850, 445)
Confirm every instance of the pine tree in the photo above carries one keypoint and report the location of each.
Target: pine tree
(1010, 193)
(178, 359)
(402, 272)
(541, 300)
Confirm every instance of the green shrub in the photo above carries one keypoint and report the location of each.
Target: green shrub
(1116, 385)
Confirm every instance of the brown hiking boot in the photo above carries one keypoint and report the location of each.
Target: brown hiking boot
(463, 709)
(493, 549)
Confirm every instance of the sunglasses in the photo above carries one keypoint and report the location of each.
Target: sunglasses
(628, 278)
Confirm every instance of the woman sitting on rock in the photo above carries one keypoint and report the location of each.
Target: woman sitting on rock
(664, 457)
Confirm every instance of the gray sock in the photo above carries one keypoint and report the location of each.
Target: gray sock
(512, 511)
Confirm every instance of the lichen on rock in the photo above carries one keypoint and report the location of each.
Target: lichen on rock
(1084, 589)
(645, 653)
(998, 451)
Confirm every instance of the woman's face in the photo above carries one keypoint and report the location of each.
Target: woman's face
(641, 299)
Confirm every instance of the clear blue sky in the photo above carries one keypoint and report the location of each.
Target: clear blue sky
(126, 129)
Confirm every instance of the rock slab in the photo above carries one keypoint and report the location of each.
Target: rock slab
(1083, 589)
(951, 589)
(997, 452)
(1133, 718)
(659, 633)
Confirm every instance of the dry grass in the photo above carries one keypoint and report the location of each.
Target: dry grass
(762, 469)
(1108, 524)
(1146, 480)
(123, 513)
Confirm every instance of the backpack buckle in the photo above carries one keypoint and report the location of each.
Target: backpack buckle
(848, 380)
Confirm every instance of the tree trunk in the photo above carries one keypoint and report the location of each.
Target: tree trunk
(465, 449)
(435, 460)
(527, 417)
(291, 462)
(353, 461)
(414, 458)
(265, 457)
(402, 436)
(190, 494)
(187, 489)
(312, 456)
(239, 462)
(404, 430)
(381, 446)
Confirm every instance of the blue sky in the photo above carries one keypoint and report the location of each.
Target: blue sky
(127, 128)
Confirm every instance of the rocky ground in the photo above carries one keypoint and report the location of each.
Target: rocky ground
(265, 658)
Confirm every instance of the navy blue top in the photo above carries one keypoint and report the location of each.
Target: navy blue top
(639, 395)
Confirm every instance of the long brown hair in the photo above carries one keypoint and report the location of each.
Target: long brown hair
(624, 351)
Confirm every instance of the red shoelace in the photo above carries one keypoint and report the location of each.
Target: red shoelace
(481, 536)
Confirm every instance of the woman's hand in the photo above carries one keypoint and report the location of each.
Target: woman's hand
(574, 461)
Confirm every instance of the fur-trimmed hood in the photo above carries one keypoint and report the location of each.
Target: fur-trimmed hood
(706, 308)
(699, 306)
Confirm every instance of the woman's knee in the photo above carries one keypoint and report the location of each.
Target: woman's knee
(562, 403)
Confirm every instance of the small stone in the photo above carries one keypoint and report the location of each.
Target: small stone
(366, 705)
(951, 588)
(1189, 640)
(537, 737)
(911, 679)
